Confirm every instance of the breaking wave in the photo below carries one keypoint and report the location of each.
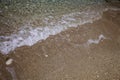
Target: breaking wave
(28, 35)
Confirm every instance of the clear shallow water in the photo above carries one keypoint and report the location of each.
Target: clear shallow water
(51, 20)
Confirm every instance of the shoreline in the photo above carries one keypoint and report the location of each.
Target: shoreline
(28, 35)
(66, 55)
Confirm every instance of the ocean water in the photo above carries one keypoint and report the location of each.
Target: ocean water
(32, 22)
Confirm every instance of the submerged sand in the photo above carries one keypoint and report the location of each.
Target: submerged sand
(88, 52)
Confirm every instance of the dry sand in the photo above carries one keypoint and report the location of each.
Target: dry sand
(70, 55)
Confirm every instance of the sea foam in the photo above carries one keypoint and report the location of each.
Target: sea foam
(28, 36)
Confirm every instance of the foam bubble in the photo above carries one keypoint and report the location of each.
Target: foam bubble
(96, 41)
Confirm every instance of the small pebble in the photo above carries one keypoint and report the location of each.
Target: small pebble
(9, 61)
(98, 76)
(46, 55)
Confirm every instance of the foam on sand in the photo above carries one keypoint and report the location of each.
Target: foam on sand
(96, 41)
(28, 35)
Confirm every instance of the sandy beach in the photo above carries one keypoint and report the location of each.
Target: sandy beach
(87, 52)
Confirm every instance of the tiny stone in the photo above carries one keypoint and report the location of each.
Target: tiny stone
(9, 61)
(46, 55)
(97, 76)
(106, 73)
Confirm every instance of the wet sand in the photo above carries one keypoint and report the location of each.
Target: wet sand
(70, 55)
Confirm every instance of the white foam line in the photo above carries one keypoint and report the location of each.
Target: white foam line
(96, 41)
(12, 72)
(30, 36)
